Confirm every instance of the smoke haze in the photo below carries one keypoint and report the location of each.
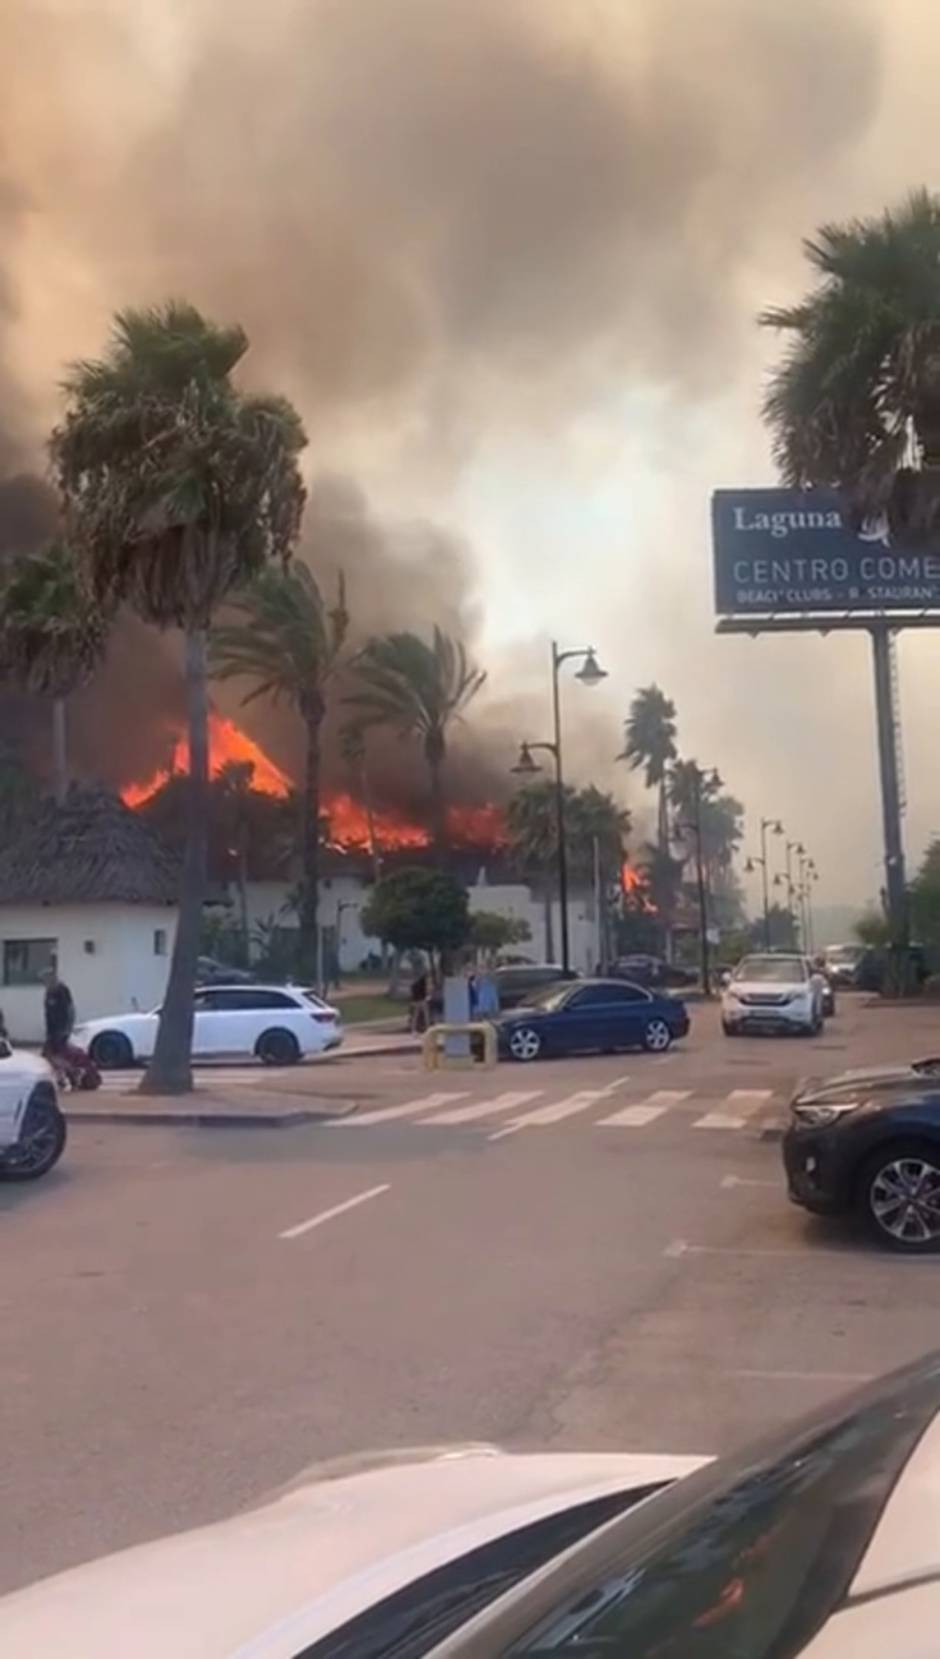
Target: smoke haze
(505, 257)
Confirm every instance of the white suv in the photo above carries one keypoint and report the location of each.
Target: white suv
(32, 1128)
(772, 994)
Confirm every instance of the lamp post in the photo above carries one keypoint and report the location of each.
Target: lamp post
(590, 673)
(791, 848)
(776, 828)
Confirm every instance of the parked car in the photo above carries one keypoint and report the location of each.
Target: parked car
(209, 971)
(517, 984)
(652, 971)
(842, 963)
(592, 1015)
(869, 1140)
(32, 1127)
(278, 1024)
(772, 994)
(821, 1541)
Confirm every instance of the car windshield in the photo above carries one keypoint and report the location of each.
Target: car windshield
(776, 970)
(551, 998)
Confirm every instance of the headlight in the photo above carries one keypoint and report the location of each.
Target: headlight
(819, 1117)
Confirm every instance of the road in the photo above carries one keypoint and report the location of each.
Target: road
(192, 1316)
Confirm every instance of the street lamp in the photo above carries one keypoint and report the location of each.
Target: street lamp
(776, 828)
(590, 673)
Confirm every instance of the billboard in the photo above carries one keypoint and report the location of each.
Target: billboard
(788, 551)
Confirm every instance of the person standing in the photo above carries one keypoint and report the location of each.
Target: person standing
(59, 1011)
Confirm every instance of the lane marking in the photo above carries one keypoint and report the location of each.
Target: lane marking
(746, 1181)
(719, 1120)
(749, 1098)
(485, 1108)
(645, 1111)
(553, 1113)
(805, 1376)
(337, 1209)
(385, 1114)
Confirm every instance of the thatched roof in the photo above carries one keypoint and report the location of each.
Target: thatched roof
(90, 850)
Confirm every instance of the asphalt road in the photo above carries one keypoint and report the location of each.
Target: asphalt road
(191, 1316)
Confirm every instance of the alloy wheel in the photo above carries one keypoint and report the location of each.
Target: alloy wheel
(525, 1044)
(658, 1036)
(904, 1199)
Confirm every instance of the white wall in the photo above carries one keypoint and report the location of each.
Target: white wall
(342, 898)
(122, 970)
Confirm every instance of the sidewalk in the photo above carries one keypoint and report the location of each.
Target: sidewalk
(204, 1109)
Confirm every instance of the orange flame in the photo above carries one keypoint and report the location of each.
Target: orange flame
(635, 886)
(349, 826)
(226, 743)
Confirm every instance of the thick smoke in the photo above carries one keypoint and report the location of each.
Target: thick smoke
(438, 221)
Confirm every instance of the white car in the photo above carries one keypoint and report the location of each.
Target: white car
(278, 1024)
(32, 1128)
(822, 1541)
(773, 994)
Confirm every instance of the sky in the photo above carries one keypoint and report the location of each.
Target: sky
(507, 259)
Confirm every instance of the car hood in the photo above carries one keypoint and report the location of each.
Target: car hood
(268, 1583)
(869, 1081)
(27, 1064)
(768, 987)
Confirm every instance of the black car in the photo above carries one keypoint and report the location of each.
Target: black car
(870, 1140)
(516, 985)
(592, 1016)
(652, 971)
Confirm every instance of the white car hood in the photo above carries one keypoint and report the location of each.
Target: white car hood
(769, 987)
(23, 1063)
(267, 1583)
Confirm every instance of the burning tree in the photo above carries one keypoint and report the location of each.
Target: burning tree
(177, 489)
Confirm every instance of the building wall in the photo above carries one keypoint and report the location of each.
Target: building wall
(120, 972)
(342, 898)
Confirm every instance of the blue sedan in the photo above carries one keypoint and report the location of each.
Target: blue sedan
(592, 1016)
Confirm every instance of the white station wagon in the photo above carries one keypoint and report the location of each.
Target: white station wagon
(279, 1024)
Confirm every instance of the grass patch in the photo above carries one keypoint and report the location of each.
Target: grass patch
(374, 1006)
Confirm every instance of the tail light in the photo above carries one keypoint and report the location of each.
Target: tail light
(324, 1019)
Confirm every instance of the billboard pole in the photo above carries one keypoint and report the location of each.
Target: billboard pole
(886, 715)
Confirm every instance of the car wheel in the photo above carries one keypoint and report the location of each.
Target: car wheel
(899, 1197)
(111, 1051)
(40, 1145)
(657, 1037)
(278, 1048)
(525, 1043)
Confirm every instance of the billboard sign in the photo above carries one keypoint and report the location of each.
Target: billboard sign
(788, 551)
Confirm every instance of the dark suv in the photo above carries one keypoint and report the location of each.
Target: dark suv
(517, 984)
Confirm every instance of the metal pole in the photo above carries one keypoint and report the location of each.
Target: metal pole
(700, 875)
(763, 865)
(789, 868)
(598, 910)
(895, 880)
(560, 817)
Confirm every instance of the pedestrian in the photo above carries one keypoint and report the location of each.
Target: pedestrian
(59, 1011)
(418, 1003)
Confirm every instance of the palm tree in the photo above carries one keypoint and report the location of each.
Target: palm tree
(52, 636)
(650, 742)
(177, 489)
(352, 745)
(858, 393)
(532, 828)
(418, 690)
(286, 639)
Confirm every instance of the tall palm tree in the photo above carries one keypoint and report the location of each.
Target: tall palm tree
(283, 636)
(419, 690)
(593, 822)
(52, 636)
(177, 488)
(650, 742)
(353, 749)
(858, 393)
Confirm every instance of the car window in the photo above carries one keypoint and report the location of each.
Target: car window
(247, 999)
(601, 996)
(747, 1558)
(779, 970)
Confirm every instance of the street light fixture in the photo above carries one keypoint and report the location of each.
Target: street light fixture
(590, 673)
(776, 828)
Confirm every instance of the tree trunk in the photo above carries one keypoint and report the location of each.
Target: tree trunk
(307, 952)
(438, 815)
(663, 818)
(170, 1070)
(60, 762)
(369, 807)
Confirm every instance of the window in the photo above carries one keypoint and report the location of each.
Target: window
(26, 960)
(605, 996)
(237, 999)
(159, 941)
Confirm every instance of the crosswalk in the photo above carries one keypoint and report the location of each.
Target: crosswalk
(612, 1107)
(206, 1077)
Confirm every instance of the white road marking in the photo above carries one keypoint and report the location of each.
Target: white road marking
(743, 1102)
(644, 1111)
(719, 1120)
(677, 1248)
(424, 1103)
(553, 1113)
(337, 1209)
(485, 1108)
(745, 1181)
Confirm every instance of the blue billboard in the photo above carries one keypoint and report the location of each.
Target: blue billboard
(791, 550)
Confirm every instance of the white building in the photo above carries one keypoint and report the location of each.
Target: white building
(90, 890)
(343, 895)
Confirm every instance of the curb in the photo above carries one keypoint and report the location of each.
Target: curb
(206, 1117)
(380, 1051)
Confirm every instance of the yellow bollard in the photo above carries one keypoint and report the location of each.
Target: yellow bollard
(432, 1047)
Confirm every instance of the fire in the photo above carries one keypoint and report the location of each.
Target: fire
(635, 886)
(476, 826)
(226, 743)
(349, 826)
